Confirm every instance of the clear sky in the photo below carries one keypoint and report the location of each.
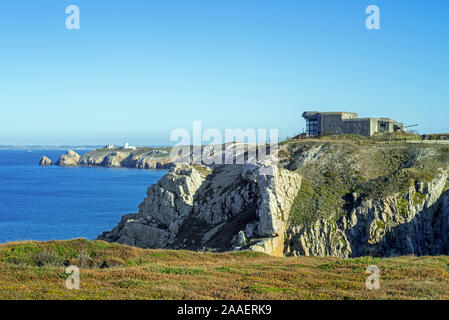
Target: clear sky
(138, 69)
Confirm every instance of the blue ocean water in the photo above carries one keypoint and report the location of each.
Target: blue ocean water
(48, 203)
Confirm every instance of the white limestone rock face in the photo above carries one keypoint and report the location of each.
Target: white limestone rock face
(168, 202)
(69, 159)
(229, 207)
(277, 191)
(172, 198)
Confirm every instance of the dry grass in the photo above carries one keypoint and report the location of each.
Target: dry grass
(161, 274)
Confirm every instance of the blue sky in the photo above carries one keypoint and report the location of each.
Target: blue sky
(136, 70)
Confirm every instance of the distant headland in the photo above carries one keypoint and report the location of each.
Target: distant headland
(112, 156)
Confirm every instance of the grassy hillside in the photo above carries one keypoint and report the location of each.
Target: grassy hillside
(35, 270)
(335, 169)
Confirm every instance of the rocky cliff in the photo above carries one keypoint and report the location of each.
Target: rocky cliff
(142, 158)
(229, 207)
(45, 162)
(332, 198)
(414, 224)
(371, 199)
(69, 159)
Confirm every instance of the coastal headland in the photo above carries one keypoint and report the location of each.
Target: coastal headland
(142, 158)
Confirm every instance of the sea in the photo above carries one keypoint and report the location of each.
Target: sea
(50, 203)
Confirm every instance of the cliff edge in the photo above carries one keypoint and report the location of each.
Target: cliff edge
(229, 207)
(326, 198)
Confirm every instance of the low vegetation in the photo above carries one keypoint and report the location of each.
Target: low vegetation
(337, 168)
(35, 270)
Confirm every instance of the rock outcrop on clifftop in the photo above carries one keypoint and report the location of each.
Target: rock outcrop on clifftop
(45, 161)
(229, 207)
(327, 198)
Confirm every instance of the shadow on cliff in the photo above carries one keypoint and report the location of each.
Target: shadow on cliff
(426, 234)
(194, 227)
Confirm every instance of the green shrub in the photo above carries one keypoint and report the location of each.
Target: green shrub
(226, 269)
(83, 260)
(418, 198)
(315, 200)
(380, 224)
(46, 258)
(403, 207)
